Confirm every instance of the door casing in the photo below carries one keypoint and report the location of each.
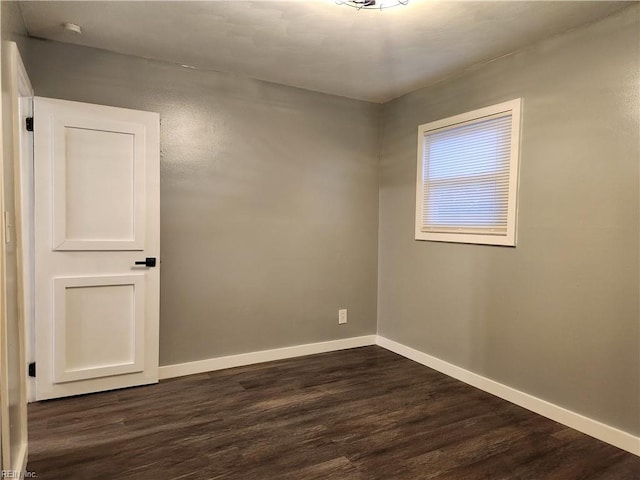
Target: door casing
(15, 84)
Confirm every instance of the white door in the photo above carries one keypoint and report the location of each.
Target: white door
(96, 215)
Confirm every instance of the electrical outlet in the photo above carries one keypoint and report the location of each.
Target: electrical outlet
(342, 315)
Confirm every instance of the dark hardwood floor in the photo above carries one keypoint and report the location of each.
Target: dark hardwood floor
(364, 413)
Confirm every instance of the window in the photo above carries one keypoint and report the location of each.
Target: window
(468, 176)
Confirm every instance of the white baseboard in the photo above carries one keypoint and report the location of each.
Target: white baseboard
(601, 431)
(211, 364)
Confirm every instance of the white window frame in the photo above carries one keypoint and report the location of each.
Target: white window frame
(509, 239)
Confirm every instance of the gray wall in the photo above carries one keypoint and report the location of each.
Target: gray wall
(269, 200)
(557, 316)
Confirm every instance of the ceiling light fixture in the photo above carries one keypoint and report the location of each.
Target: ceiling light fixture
(372, 4)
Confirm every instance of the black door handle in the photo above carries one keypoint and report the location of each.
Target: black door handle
(148, 262)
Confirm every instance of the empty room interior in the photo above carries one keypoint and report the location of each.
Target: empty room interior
(320, 239)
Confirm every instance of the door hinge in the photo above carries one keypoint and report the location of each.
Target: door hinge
(29, 124)
(32, 369)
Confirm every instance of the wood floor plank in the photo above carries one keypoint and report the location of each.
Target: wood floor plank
(361, 414)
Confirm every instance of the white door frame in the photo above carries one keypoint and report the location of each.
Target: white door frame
(25, 97)
(18, 85)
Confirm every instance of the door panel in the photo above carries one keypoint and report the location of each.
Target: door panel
(99, 326)
(96, 213)
(98, 184)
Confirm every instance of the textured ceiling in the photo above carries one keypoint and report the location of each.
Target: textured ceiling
(316, 44)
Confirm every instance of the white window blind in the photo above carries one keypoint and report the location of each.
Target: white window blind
(466, 178)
